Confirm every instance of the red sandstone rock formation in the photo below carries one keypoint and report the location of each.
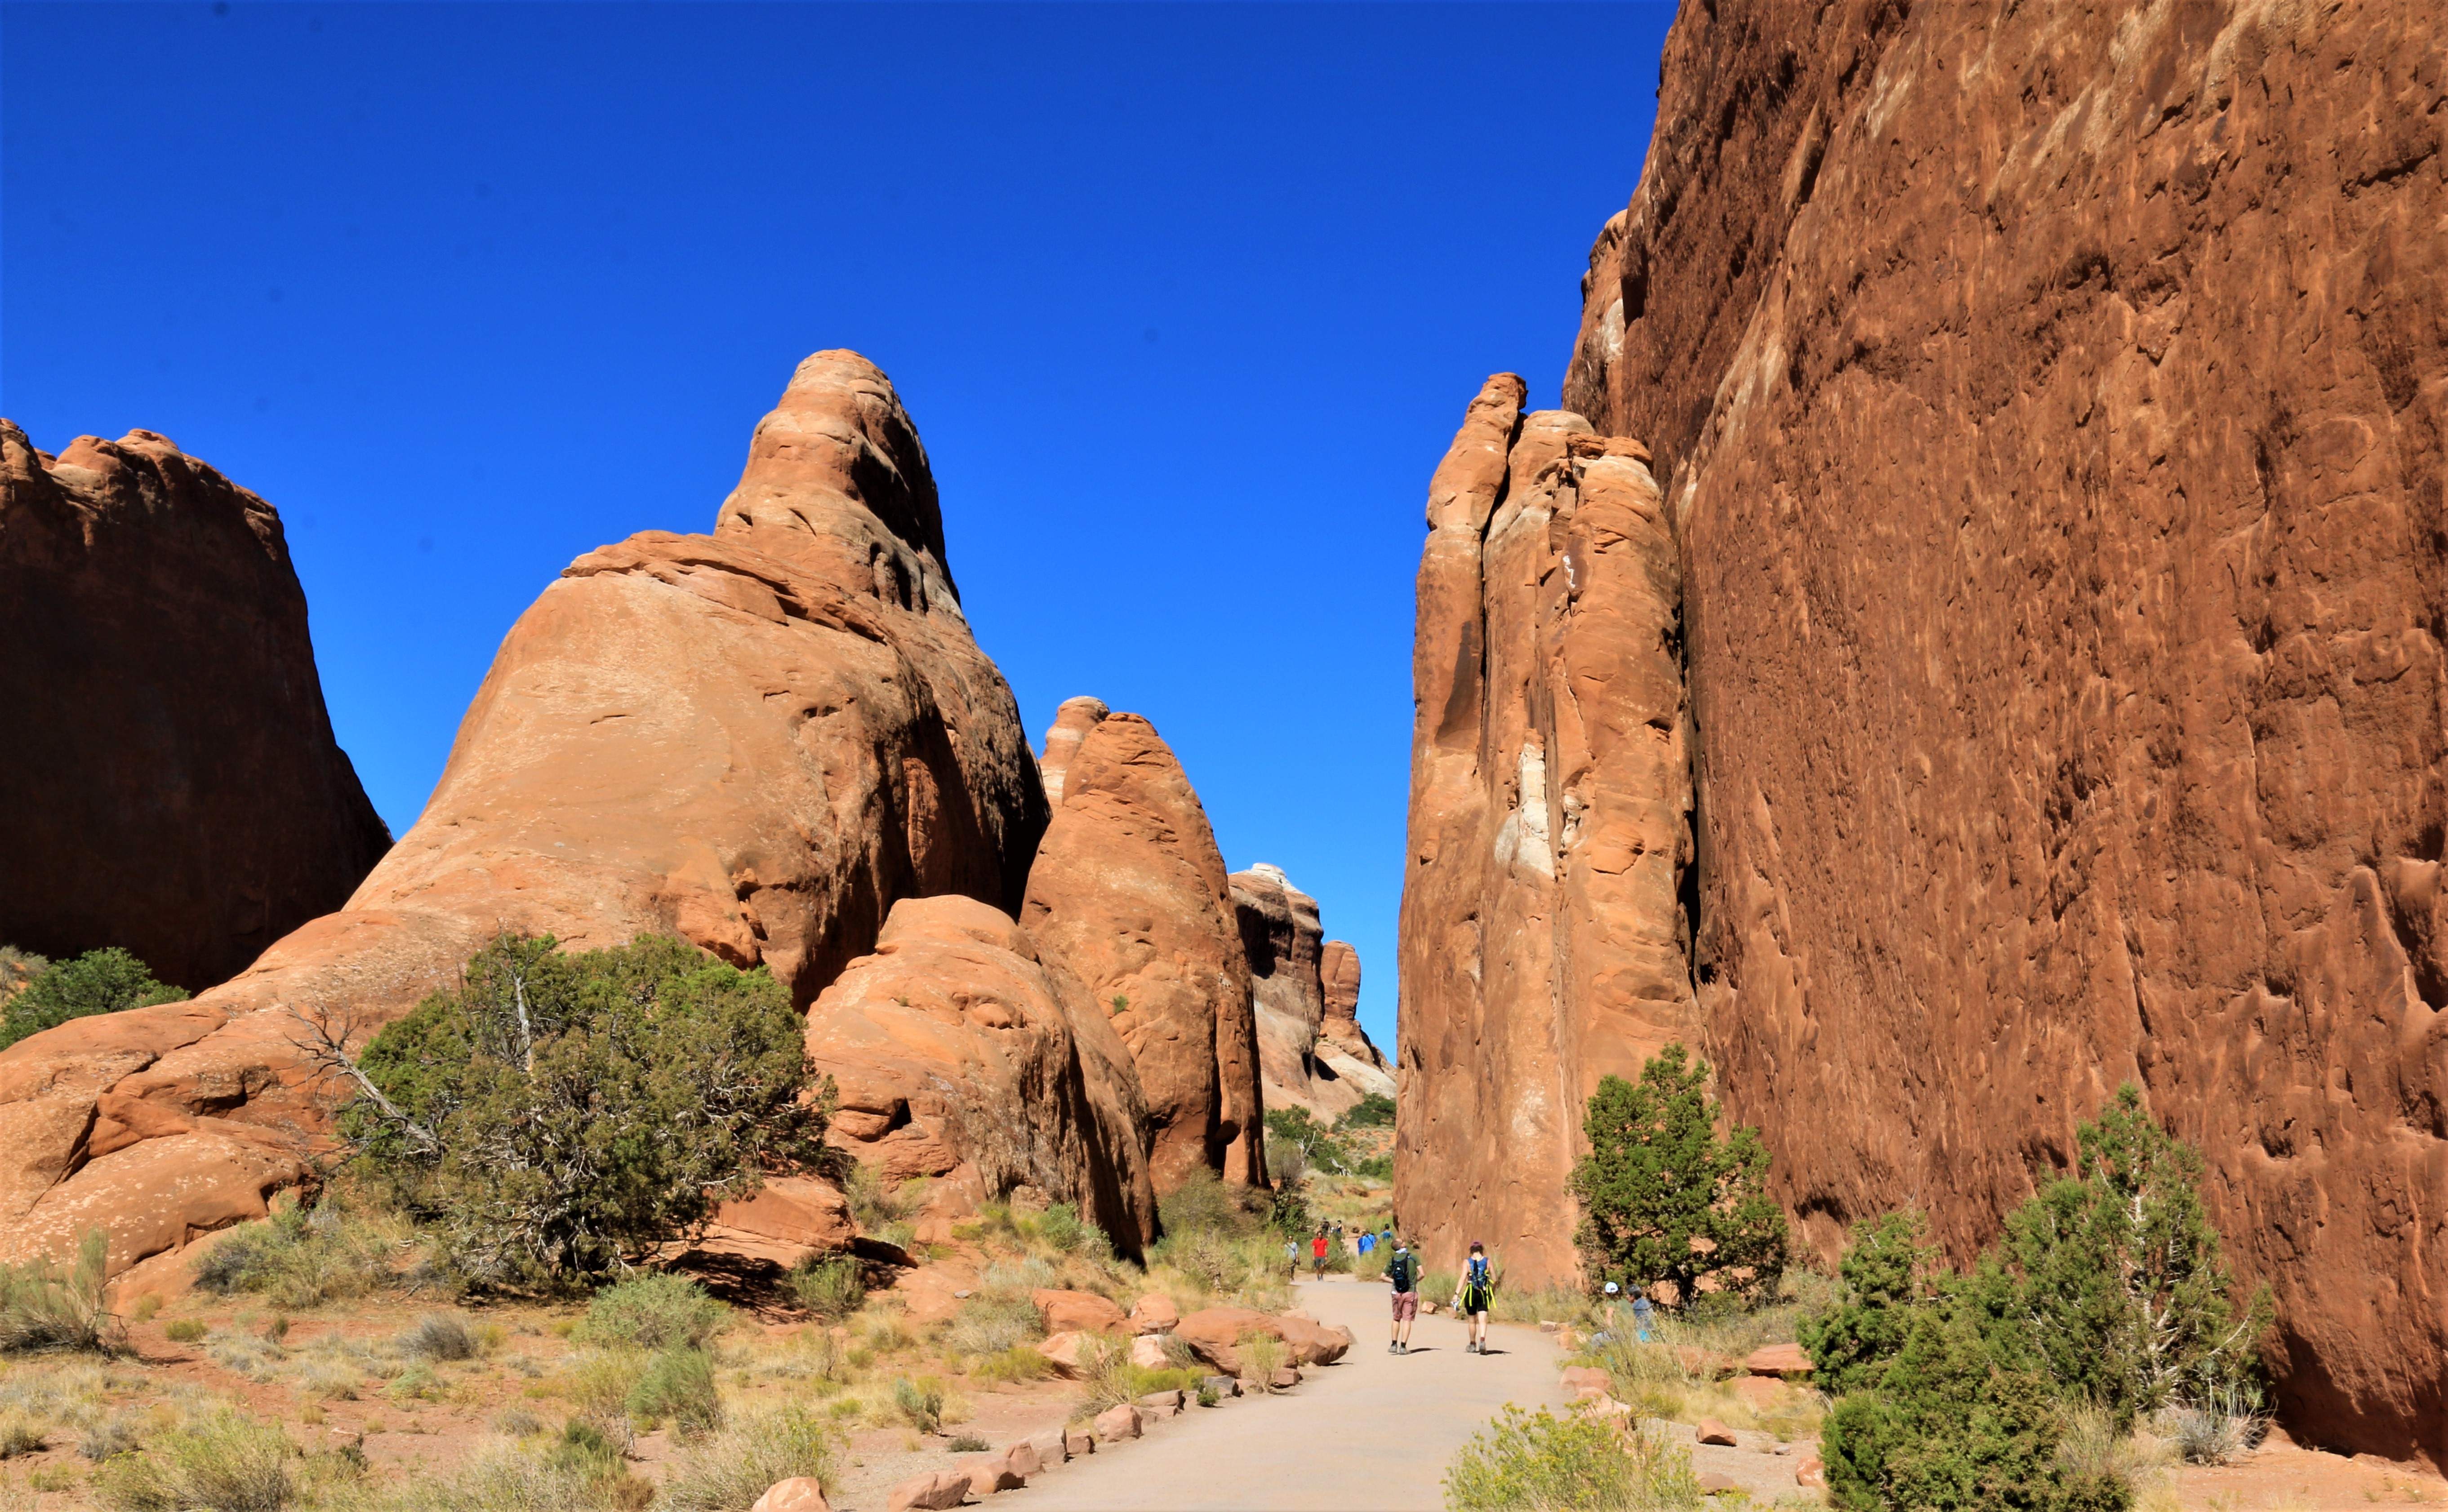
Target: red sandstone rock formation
(1072, 722)
(1542, 941)
(2052, 401)
(169, 782)
(1340, 1039)
(959, 1054)
(1129, 892)
(758, 739)
(1299, 1066)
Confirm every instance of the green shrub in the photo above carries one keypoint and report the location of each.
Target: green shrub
(558, 1117)
(1019, 1362)
(1066, 1232)
(224, 1463)
(830, 1288)
(875, 1206)
(1665, 1198)
(185, 1330)
(968, 1444)
(2122, 1276)
(1376, 1168)
(678, 1384)
(1540, 1462)
(105, 980)
(1296, 1142)
(920, 1403)
(43, 1308)
(1203, 1204)
(439, 1337)
(1886, 1273)
(734, 1466)
(994, 1320)
(1374, 1111)
(1262, 1355)
(657, 1310)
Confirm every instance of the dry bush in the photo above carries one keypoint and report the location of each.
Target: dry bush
(224, 1462)
(44, 1308)
(732, 1468)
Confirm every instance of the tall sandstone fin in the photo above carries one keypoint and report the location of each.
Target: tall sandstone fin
(1311, 1051)
(759, 740)
(169, 782)
(1543, 944)
(1129, 892)
(2052, 400)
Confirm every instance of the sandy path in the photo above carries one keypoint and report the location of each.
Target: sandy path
(1372, 1432)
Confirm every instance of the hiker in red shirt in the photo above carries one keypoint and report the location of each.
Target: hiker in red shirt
(1317, 1254)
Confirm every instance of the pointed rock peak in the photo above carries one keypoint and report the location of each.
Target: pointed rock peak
(1072, 723)
(839, 460)
(1272, 873)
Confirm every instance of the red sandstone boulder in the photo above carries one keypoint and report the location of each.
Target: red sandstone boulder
(1078, 1441)
(1147, 1351)
(1711, 1432)
(1154, 1313)
(788, 1220)
(1811, 1474)
(1586, 1381)
(1116, 1424)
(1785, 1360)
(1065, 1350)
(1077, 1311)
(934, 1491)
(960, 1055)
(1762, 1393)
(759, 740)
(169, 782)
(1050, 1448)
(798, 1494)
(1129, 892)
(1215, 1334)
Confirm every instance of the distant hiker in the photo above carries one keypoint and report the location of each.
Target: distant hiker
(1641, 1311)
(1292, 1260)
(1403, 1274)
(1472, 1293)
(1366, 1244)
(1317, 1254)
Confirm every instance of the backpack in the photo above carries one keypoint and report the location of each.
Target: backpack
(1403, 1271)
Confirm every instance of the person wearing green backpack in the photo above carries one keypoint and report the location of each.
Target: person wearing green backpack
(1403, 1274)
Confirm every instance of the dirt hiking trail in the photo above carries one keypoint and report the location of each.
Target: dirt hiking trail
(1374, 1432)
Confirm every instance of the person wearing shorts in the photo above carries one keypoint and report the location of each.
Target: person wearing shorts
(1472, 1294)
(1403, 1274)
(1317, 1255)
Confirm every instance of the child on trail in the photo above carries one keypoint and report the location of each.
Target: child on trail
(1317, 1255)
(1472, 1293)
(1403, 1274)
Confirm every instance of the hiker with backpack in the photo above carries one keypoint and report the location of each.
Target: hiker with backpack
(1403, 1274)
(1473, 1291)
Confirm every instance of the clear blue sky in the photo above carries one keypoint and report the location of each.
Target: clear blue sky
(1186, 301)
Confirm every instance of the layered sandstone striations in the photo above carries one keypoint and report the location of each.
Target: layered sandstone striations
(1129, 892)
(962, 1055)
(1543, 937)
(169, 782)
(1309, 1056)
(2052, 400)
(757, 740)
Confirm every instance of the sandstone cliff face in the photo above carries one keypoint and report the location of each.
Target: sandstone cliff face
(1542, 941)
(759, 740)
(1343, 1046)
(2050, 400)
(169, 782)
(1299, 1064)
(962, 1054)
(1129, 892)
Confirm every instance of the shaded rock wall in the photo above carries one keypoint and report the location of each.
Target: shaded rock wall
(169, 782)
(759, 740)
(2050, 399)
(962, 1055)
(1311, 1052)
(1543, 937)
(1130, 894)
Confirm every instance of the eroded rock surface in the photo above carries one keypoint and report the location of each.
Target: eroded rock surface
(2052, 400)
(1129, 892)
(1299, 1066)
(759, 740)
(960, 1055)
(1542, 935)
(169, 782)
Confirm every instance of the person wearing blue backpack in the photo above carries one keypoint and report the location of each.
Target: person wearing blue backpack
(1403, 1274)
(1472, 1293)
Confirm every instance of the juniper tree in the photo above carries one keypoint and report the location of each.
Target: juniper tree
(1665, 1196)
